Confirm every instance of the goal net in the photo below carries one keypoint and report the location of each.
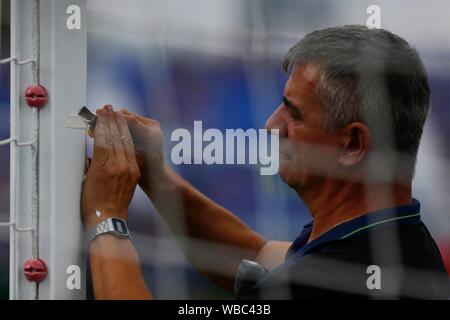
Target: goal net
(47, 84)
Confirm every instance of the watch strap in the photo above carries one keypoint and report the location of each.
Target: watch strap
(108, 226)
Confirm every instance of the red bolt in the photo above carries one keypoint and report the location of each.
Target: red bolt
(35, 270)
(36, 96)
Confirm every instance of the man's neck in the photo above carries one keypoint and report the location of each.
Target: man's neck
(338, 202)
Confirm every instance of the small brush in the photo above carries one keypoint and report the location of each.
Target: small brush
(88, 116)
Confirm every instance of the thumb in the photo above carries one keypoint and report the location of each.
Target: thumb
(88, 162)
(86, 168)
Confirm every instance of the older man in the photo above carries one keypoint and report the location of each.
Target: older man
(349, 124)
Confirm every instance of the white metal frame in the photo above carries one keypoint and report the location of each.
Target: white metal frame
(45, 190)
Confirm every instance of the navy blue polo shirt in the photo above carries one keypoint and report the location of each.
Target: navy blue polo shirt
(387, 253)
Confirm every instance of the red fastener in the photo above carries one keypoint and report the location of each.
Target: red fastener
(35, 270)
(36, 96)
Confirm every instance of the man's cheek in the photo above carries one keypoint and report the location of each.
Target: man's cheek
(322, 165)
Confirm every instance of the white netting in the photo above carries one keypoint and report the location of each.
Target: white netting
(15, 142)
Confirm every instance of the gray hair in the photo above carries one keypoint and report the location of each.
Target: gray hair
(368, 75)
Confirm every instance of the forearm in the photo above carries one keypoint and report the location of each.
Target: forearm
(213, 238)
(116, 270)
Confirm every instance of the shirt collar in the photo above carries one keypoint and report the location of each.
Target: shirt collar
(409, 213)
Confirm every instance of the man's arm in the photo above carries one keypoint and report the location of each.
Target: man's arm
(214, 239)
(273, 253)
(107, 191)
(116, 269)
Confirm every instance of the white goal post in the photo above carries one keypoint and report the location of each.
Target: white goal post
(48, 47)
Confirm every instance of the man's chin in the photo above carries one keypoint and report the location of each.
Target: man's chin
(288, 177)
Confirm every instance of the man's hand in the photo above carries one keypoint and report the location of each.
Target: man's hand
(113, 172)
(148, 144)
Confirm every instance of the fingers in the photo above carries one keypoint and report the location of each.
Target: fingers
(128, 113)
(128, 140)
(129, 117)
(88, 163)
(133, 116)
(90, 133)
(114, 133)
(115, 136)
(102, 145)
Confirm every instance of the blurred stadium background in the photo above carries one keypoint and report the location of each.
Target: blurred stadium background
(219, 62)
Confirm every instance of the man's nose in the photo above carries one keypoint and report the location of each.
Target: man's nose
(275, 121)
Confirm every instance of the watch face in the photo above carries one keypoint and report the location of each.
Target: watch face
(119, 226)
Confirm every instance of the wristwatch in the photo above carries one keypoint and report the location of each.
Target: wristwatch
(114, 226)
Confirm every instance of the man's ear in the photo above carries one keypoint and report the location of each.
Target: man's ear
(356, 142)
